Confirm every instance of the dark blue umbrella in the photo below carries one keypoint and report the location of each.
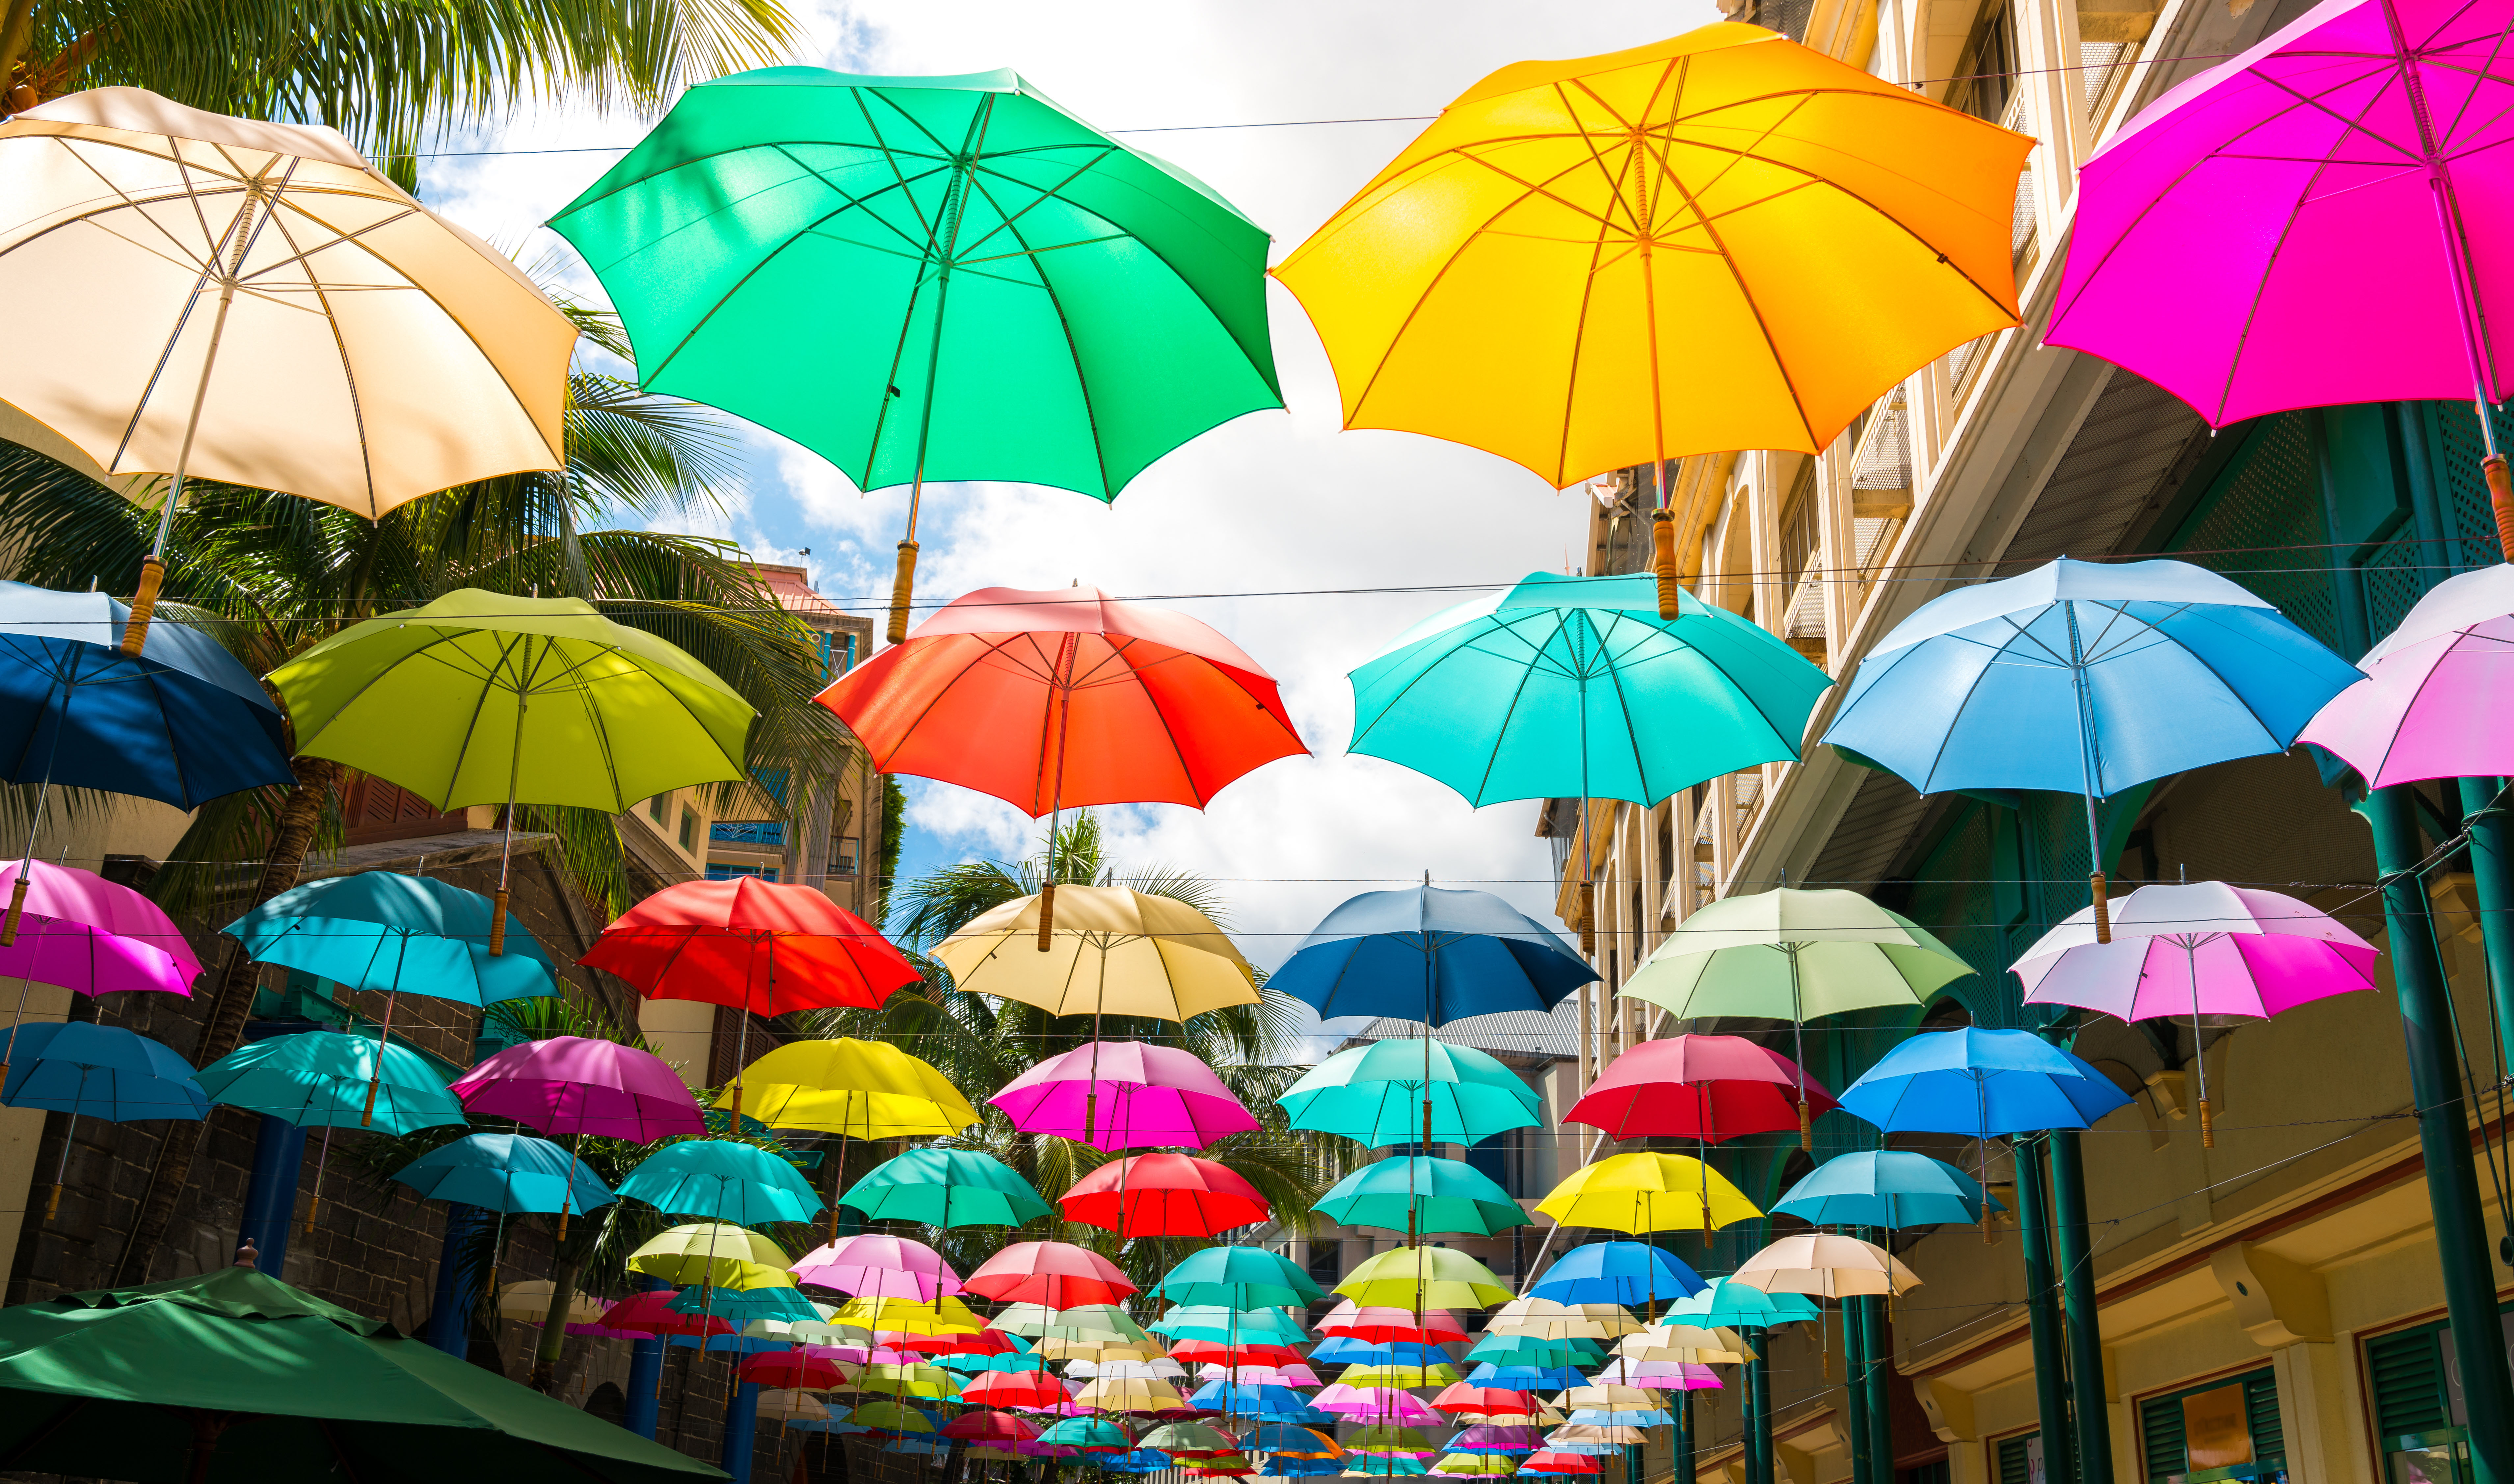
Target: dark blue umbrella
(1884, 1188)
(1616, 1272)
(99, 1072)
(1429, 954)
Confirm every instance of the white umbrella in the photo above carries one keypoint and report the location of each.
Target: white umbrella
(1826, 1265)
(253, 303)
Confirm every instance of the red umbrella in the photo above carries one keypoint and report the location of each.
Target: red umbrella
(990, 1427)
(792, 1369)
(1482, 1401)
(1013, 1388)
(1581, 1463)
(983, 1342)
(650, 1313)
(1221, 1353)
(986, 694)
(751, 945)
(1708, 1088)
(1163, 1195)
(1385, 1326)
(1057, 1274)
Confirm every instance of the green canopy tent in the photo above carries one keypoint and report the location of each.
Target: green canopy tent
(232, 1375)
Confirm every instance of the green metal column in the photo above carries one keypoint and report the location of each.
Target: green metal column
(1881, 1371)
(1758, 1412)
(1685, 1469)
(2041, 1308)
(2492, 880)
(2444, 1139)
(2076, 1244)
(1854, 1375)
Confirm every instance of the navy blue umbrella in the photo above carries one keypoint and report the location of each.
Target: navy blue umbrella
(1428, 953)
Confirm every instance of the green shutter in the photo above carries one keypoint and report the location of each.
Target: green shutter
(2406, 1374)
(2261, 1411)
(2011, 1458)
(2160, 1431)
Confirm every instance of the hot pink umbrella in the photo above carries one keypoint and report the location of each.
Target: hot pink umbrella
(2321, 220)
(2202, 948)
(575, 1085)
(2438, 703)
(1126, 1095)
(1377, 1404)
(873, 1267)
(81, 932)
(1260, 1376)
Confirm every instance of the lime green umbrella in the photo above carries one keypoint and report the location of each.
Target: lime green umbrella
(920, 278)
(484, 698)
(1794, 956)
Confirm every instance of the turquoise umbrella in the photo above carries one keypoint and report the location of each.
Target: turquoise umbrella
(1884, 1188)
(738, 1306)
(1238, 1278)
(1375, 1094)
(1214, 1321)
(95, 1071)
(721, 1180)
(1088, 1432)
(946, 1187)
(327, 1080)
(1423, 1195)
(505, 1173)
(1733, 1304)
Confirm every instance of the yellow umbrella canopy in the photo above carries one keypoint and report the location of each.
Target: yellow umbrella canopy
(530, 1302)
(862, 1089)
(1402, 1378)
(1593, 1432)
(1648, 1191)
(1546, 1319)
(1113, 950)
(906, 1316)
(1543, 1416)
(1826, 1265)
(932, 1381)
(716, 1253)
(1421, 1278)
(784, 1406)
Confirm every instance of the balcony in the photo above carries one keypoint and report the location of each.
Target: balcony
(764, 835)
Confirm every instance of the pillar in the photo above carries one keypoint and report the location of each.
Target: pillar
(1854, 1376)
(2491, 881)
(457, 1292)
(646, 1374)
(1879, 1369)
(1685, 1472)
(2444, 1137)
(270, 1192)
(2042, 1307)
(2076, 1243)
(1758, 1412)
(741, 1430)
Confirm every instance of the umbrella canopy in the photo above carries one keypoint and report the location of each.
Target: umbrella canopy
(652, 1313)
(751, 943)
(1705, 1087)
(1082, 1322)
(1014, 1389)
(1148, 1396)
(990, 1427)
(891, 1417)
(386, 932)
(945, 1187)
(1554, 1462)
(748, 1306)
(1465, 1400)
(1982, 1083)
(1724, 1303)
(1518, 1350)
(1418, 1194)
(791, 1369)
(1113, 950)
(1293, 1373)
(1057, 1274)
(319, 1079)
(1884, 1188)
(1374, 1093)
(1161, 1369)
(1431, 1326)
(1572, 687)
(1240, 1277)
(506, 1172)
(1290, 1440)
(1217, 1320)
(863, 1089)
(1550, 1319)
(1614, 1272)
(575, 1085)
(1366, 1376)
(1092, 1434)
(1430, 1277)
(1239, 1355)
(877, 1266)
(1827, 1264)
(721, 1180)
(1065, 697)
(712, 1254)
(1691, 1343)
(1523, 1378)
(1381, 1406)
(1380, 1438)
(1124, 1095)
(907, 1317)
(183, 724)
(75, 930)
(1472, 952)
(2433, 704)
(1235, 1399)
(230, 1374)
(1383, 1466)
(1474, 1464)
(1658, 1374)
(913, 1379)
(1484, 1437)
(1163, 1195)
(791, 1407)
(1648, 1191)
(97, 1071)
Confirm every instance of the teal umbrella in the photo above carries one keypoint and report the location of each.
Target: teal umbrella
(1727, 1304)
(738, 1306)
(95, 1071)
(946, 1187)
(918, 278)
(327, 1080)
(721, 1180)
(1214, 1321)
(1238, 1278)
(505, 1173)
(1094, 1433)
(1527, 1350)
(1375, 1094)
(1423, 1195)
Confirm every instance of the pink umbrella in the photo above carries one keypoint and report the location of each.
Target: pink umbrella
(1260, 1376)
(2321, 220)
(1377, 1404)
(873, 1267)
(81, 932)
(2202, 948)
(1124, 1095)
(1057, 1274)
(2438, 704)
(1490, 1435)
(576, 1085)
(1663, 1375)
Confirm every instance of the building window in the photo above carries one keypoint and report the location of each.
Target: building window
(655, 806)
(2017, 1460)
(764, 834)
(719, 870)
(846, 865)
(2226, 1429)
(1326, 1260)
(689, 829)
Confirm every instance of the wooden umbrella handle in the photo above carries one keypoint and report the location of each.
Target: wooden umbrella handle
(17, 909)
(1663, 560)
(2103, 911)
(2500, 499)
(143, 604)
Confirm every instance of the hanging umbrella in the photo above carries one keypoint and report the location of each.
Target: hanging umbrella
(891, 1417)
(1238, 1277)
(1402, 1377)
(1293, 1374)
(808, 1373)
(1794, 956)
(359, 349)
(385, 932)
(1163, 1195)
(2201, 948)
(1426, 1277)
(1474, 1464)
(869, 1089)
(1520, 279)
(1380, 1406)
(1528, 1349)
(2085, 678)
(945, 278)
(1467, 1400)
(1234, 1400)
(1701, 1087)
(1551, 1462)
(1824, 1264)
(1549, 1319)
(871, 1266)
(1523, 1378)
(1289, 1440)
(1161, 1369)
(1210, 1319)
(1383, 1466)
(1115, 951)
(990, 1427)
(652, 1313)
(571, 1086)
(791, 1408)
(1646, 1192)
(95, 1071)
(1592, 1439)
(721, 1180)
(1192, 1440)
(1472, 952)
(324, 1079)
(1615, 1272)
(484, 698)
(1884, 1188)
(1373, 1093)
(1241, 1355)
(712, 1254)
(1386, 1439)
(1014, 1389)
(1124, 1095)
(1092, 1434)
(1082, 1322)
(75, 930)
(1729, 1304)
(507, 1173)
(1419, 1193)
(1484, 1437)
(946, 1187)
(1057, 1274)
(529, 1303)
(2432, 704)
(1433, 1325)
(930, 1382)
(1143, 1396)
(1691, 1343)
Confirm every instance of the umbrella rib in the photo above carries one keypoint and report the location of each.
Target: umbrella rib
(1587, 288)
(471, 726)
(349, 374)
(1064, 321)
(1042, 194)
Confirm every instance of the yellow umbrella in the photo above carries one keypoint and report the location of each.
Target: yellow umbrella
(1423, 1277)
(716, 1255)
(891, 1417)
(530, 1302)
(1543, 1416)
(906, 1316)
(1827, 1264)
(850, 1088)
(932, 1381)
(1648, 1193)
(1402, 1378)
(1476, 1464)
(1116, 1393)
(1721, 241)
(1112, 952)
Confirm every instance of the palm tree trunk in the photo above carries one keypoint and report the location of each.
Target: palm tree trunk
(554, 1326)
(230, 1005)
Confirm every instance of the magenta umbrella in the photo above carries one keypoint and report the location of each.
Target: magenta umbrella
(2201, 948)
(1494, 1435)
(1377, 1404)
(873, 1267)
(80, 932)
(1124, 1095)
(2323, 219)
(2436, 702)
(575, 1085)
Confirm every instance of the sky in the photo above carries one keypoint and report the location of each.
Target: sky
(1265, 526)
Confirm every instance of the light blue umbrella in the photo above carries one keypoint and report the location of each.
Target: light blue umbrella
(1213, 1321)
(1240, 1399)
(95, 1071)
(1982, 1083)
(1884, 1188)
(1516, 1377)
(1347, 1350)
(1420, 1193)
(721, 1180)
(1615, 1272)
(2085, 678)
(1374, 1093)
(505, 1173)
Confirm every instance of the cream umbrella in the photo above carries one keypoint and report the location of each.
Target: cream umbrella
(253, 303)
(1114, 952)
(1826, 1265)
(1686, 1344)
(530, 1302)
(1545, 1319)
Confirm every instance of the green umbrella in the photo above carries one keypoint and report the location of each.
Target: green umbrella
(482, 697)
(918, 278)
(1441, 1195)
(1375, 1094)
(1795, 956)
(946, 1187)
(231, 1375)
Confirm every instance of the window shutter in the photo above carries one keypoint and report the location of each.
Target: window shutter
(2011, 1458)
(2406, 1374)
(2262, 1412)
(2160, 1430)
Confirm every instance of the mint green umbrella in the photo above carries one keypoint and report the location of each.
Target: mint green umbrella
(920, 278)
(946, 1187)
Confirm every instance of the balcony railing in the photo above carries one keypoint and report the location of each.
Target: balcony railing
(748, 834)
